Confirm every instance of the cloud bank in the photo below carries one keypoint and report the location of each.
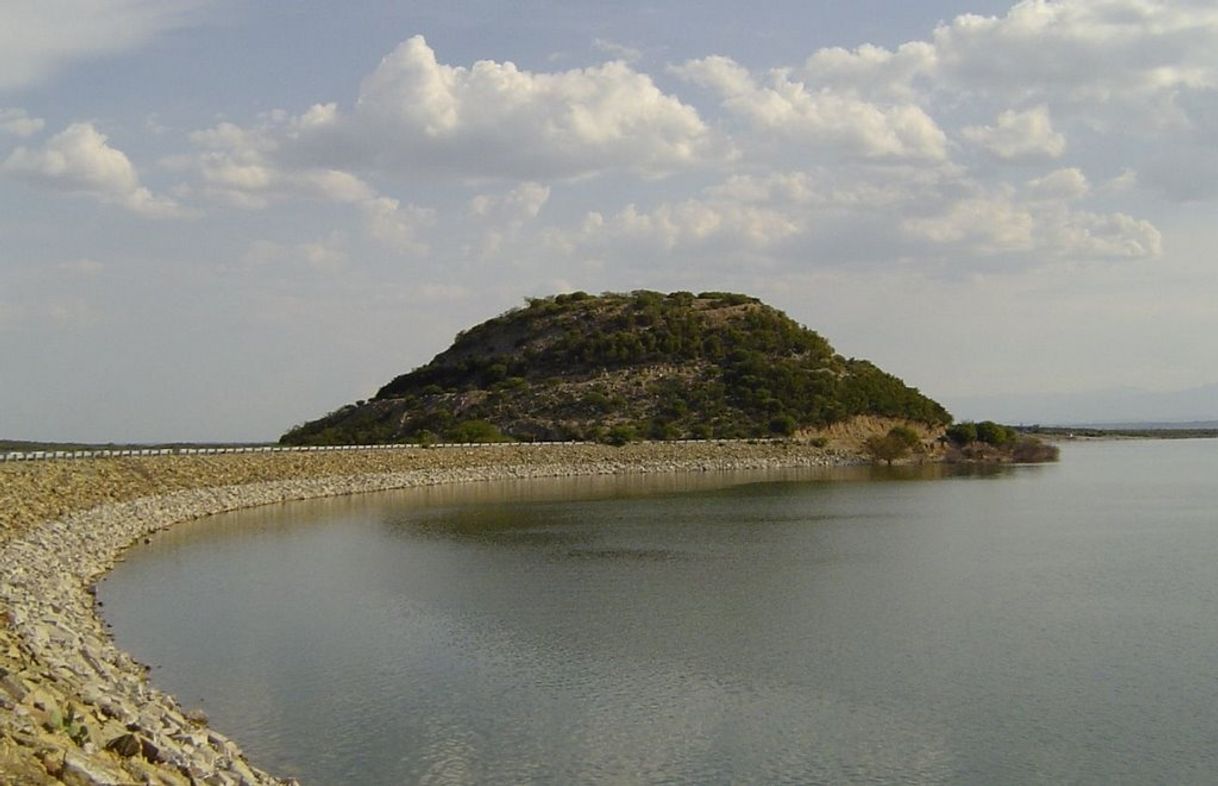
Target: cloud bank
(41, 37)
(79, 160)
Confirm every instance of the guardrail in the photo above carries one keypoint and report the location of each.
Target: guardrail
(45, 455)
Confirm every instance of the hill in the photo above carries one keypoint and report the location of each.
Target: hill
(623, 366)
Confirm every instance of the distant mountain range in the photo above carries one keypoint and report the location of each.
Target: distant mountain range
(1120, 407)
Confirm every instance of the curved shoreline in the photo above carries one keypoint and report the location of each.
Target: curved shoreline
(67, 693)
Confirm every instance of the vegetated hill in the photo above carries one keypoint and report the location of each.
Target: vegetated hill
(624, 366)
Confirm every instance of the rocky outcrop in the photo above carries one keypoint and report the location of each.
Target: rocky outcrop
(75, 709)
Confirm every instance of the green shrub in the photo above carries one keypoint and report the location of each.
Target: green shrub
(597, 401)
(963, 433)
(476, 431)
(620, 435)
(892, 446)
(783, 425)
(994, 434)
(906, 436)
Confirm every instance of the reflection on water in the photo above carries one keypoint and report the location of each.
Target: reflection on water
(1048, 624)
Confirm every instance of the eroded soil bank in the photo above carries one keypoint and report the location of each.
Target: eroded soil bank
(76, 710)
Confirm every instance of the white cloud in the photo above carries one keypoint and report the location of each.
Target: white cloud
(999, 222)
(621, 52)
(520, 204)
(871, 70)
(414, 115)
(793, 187)
(504, 216)
(238, 167)
(743, 217)
(40, 37)
(18, 122)
(1122, 183)
(333, 184)
(496, 120)
(80, 161)
(982, 225)
(826, 117)
(241, 167)
(398, 226)
(1089, 235)
(1085, 53)
(828, 218)
(694, 223)
(1064, 184)
(1112, 63)
(1015, 135)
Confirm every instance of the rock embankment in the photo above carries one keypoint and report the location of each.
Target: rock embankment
(76, 710)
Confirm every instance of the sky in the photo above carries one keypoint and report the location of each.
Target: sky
(219, 218)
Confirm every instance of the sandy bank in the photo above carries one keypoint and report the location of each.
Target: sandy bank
(74, 709)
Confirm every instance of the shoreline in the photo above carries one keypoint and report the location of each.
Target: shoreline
(76, 709)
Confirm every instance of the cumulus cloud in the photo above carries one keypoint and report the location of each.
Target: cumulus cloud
(1001, 223)
(520, 204)
(778, 221)
(415, 116)
(787, 108)
(18, 122)
(823, 219)
(502, 217)
(1110, 61)
(1015, 135)
(396, 225)
(619, 51)
(1085, 53)
(494, 119)
(794, 187)
(1065, 184)
(39, 37)
(872, 70)
(243, 168)
(981, 224)
(846, 156)
(238, 166)
(79, 160)
(689, 226)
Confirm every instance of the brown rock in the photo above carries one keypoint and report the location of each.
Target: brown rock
(126, 745)
(80, 770)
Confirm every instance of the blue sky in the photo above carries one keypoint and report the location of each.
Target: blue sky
(218, 219)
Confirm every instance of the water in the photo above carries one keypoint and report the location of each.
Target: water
(1032, 624)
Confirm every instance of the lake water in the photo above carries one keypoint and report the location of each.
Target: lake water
(1053, 623)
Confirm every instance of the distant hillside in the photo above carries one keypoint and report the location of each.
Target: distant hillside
(623, 366)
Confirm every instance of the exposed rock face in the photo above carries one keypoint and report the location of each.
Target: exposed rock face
(619, 366)
(74, 709)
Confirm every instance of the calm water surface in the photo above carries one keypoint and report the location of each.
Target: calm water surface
(1034, 624)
